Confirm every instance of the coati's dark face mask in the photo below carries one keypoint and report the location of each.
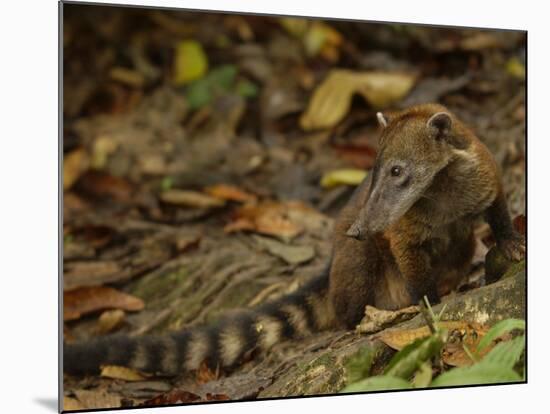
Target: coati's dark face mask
(411, 153)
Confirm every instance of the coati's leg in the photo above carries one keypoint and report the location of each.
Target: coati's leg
(510, 242)
(415, 265)
(353, 277)
(455, 262)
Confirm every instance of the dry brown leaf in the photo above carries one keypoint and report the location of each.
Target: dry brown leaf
(123, 373)
(399, 338)
(127, 76)
(289, 253)
(229, 192)
(376, 319)
(520, 224)
(331, 100)
(217, 397)
(460, 333)
(187, 198)
(72, 404)
(86, 273)
(75, 164)
(85, 300)
(267, 218)
(100, 184)
(205, 374)
(184, 244)
(97, 399)
(173, 397)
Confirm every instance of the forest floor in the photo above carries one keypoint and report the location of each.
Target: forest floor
(194, 188)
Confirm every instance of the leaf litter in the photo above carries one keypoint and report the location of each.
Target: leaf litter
(193, 148)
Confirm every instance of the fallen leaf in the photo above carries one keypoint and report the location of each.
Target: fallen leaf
(520, 224)
(399, 338)
(376, 319)
(515, 68)
(229, 192)
(173, 397)
(141, 389)
(97, 399)
(184, 244)
(104, 146)
(123, 373)
(479, 41)
(343, 177)
(110, 320)
(96, 236)
(72, 404)
(460, 334)
(267, 218)
(331, 100)
(216, 83)
(92, 273)
(188, 198)
(190, 62)
(217, 397)
(101, 184)
(318, 38)
(75, 163)
(361, 156)
(290, 254)
(127, 76)
(86, 300)
(205, 374)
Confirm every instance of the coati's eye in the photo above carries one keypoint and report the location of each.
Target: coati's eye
(395, 171)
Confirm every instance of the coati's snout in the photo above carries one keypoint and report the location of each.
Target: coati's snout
(405, 166)
(390, 197)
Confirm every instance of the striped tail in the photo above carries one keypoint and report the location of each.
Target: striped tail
(223, 344)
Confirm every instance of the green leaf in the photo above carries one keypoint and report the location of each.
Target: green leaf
(246, 89)
(218, 82)
(499, 329)
(481, 373)
(358, 366)
(424, 376)
(167, 183)
(410, 358)
(506, 354)
(198, 94)
(378, 383)
(223, 77)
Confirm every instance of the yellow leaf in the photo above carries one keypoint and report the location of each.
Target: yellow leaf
(515, 68)
(74, 164)
(332, 98)
(123, 373)
(294, 26)
(190, 62)
(315, 38)
(343, 177)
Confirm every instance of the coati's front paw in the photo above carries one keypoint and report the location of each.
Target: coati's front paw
(513, 247)
(417, 295)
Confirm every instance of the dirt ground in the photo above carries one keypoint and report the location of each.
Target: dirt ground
(194, 188)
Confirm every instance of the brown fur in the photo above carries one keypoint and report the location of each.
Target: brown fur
(427, 248)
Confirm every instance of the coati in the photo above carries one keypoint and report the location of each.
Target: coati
(406, 232)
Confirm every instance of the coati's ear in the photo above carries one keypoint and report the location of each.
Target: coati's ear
(440, 122)
(382, 119)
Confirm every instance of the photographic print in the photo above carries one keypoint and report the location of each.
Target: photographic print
(260, 207)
